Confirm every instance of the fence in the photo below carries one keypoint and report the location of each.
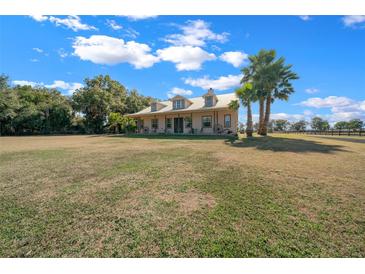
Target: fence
(332, 132)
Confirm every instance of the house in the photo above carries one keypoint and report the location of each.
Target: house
(208, 114)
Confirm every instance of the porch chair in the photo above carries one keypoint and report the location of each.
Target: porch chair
(218, 128)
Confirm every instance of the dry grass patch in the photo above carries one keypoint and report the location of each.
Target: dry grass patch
(113, 196)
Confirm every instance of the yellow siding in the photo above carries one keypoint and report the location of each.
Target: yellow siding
(217, 118)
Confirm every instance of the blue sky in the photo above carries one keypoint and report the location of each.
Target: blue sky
(165, 55)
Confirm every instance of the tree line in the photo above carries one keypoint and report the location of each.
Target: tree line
(97, 107)
(316, 123)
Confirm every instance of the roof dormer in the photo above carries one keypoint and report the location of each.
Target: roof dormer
(155, 106)
(180, 102)
(210, 99)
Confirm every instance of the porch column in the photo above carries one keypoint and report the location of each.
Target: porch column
(214, 123)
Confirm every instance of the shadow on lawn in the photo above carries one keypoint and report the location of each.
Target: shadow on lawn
(177, 137)
(278, 144)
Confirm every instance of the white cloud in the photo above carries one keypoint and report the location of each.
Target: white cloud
(34, 60)
(286, 116)
(353, 20)
(342, 108)
(69, 88)
(62, 53)
(127, 32)
(38, 50)
(346, 116)
(328, 102)
(236, 58)
(195, 33)
(131, 33)
(72, 22)
(311, 90)
(186, 57)
(101, 49)
(222, 83)
(114, 25)
(179, 91)
(26, 83)
(140, 17)
(39, 18)
(308, 112)
(305, 17)
(353, 106)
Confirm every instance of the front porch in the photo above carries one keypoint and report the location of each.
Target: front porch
(221, 122)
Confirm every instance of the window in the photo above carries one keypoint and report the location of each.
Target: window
(154, 123)
(179, 104)
(153, 107)
(207, 121)
(139, 123)
(227, 120)
(168, 123)
(187, 122)
(209, 101)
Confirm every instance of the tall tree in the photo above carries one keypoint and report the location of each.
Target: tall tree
(101, 96)
(318, 123)
(278, 86)
(282, 88)
(299, 125)
(355, 124)
(280, 124)
(257, 62)
(94, 103)
(41, 110)
(27, 109)
(271, 80)
(246, 94)
(8, 105)
(341, 125)
(136, 102)
(119, 123)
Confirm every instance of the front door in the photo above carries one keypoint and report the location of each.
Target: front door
(178, 125)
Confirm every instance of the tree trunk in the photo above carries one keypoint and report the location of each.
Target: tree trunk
(261, 114)
(249, 129)
(267, 116)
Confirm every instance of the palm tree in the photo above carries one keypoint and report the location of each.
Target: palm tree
(246, 95)
(278, 87)
(258, 74)
(270, 79)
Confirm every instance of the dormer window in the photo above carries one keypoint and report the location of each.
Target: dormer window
(208, 101)
(179, 104)
(156, 106)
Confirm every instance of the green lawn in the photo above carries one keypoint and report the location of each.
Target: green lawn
(113, 196)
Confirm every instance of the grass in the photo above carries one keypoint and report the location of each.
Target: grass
(115, 196)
